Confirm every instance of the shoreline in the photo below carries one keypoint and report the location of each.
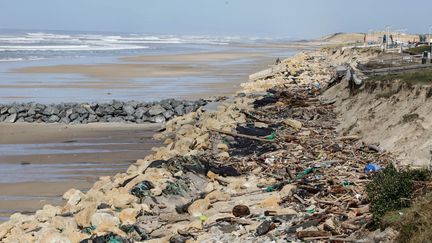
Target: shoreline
(194, 185)
(41, 161)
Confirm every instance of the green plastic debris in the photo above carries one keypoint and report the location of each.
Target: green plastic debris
(88, 230)
(305, 172)
(203, 217)
(142, 189)
(175, 188)
(310, 211)
(272, 136)
(127, 228)
(275, 187)
(114, 239)
(346, 183)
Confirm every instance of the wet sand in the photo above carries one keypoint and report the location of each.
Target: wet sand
(39, 162)
(150, 77)
(195, 57)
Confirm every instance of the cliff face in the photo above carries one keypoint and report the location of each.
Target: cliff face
(391, 113)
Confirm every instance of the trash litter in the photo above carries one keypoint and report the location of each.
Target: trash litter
(240, 211)
(372, 168)
(142, 189)
(264, 228)
(268, 100)
(110, 238)
(253, 131)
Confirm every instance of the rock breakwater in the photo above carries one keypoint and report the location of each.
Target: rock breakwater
(83, 113)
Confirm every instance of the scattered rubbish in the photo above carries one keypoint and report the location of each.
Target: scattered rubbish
(109, 238)
(240, 211)
(265, 227)
(142, 189)
(268, 100)
(253, 131)
(372, 168)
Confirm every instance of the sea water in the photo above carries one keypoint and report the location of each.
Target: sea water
(21, 49)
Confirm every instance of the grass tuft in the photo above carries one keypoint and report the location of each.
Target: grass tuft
(421, 77)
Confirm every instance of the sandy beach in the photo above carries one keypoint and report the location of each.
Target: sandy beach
(39, 162)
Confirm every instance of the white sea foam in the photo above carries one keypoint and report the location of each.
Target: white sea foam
(19, 47)
(70, 48)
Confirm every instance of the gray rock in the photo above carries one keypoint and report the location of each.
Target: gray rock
(21, 108)
(40, 107)
(69, 112)
(166, 104)
(73, 116)
(31, 112)
(139, 112)
(4, 110)
(189, 109)
(3, 117)
(104, 118)
(130, 118)
(65, 120)
(53, 118)
(29, 119)
(157, 119)
(22, 114)
(12, 110)
(133, 103)
(116, 119)
(81, 110)
(168, 114)
(179, 110)
(129, 110)
(109, 110)
(11, 118)
(51, 110)
(156, 110)
(21, 119)
(175, 103)
(117, 104)
(92, 118)
(100, 111)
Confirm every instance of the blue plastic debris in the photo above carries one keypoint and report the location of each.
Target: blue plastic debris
(372, 168)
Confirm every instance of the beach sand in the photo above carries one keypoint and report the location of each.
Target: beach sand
(39, 162)
(194, 75)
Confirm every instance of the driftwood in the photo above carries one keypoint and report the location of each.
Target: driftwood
(269, 72)
(242, 135)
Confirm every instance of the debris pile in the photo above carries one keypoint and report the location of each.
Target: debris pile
(260, 166)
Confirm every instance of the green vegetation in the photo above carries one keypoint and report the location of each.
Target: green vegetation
(388, 191)
(391, 192)
(413, 223)
(423, 76)
(417, 50)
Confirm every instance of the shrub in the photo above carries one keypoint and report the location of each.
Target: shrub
(389, 190)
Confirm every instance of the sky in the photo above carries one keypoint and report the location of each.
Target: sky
(255, 18)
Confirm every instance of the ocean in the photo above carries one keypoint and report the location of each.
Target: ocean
(20, 50)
